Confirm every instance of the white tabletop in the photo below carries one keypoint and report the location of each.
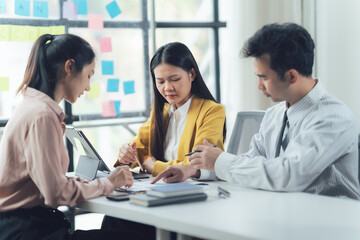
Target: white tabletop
(247, 214)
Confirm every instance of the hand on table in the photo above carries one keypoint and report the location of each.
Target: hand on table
(121, 176)
(178, 173)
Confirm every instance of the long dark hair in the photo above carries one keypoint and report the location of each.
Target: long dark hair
(47, 58)
(179, 55)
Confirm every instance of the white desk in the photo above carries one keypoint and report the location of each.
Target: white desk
(247, 214)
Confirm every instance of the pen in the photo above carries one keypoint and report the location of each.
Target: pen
(138, 162)
(191, 153)
(223, 192)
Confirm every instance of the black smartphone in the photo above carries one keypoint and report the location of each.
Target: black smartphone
(118, 196)
(140, 175)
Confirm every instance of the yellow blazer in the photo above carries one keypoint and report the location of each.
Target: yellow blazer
(205, 120)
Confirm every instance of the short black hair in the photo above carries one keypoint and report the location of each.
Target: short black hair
(289, 45)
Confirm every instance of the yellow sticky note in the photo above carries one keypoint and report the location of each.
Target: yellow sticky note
(94, 91)
(4, 84)
(79, 147)
(5, 33)
(18, 33)
(56, 30)
(31, 34)
(42, 31)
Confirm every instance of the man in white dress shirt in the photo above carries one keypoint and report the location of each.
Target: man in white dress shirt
(307, 142)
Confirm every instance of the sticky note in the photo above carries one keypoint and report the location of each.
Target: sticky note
(94, 91)
(18, 33)
(4, 84)
(55, 30)
(2, 6)
(40, 9)
(107, 67)
(95, 22)
(82, 6)
(117, 107)
(113, 85)
(108, 109)
(30, 34)
(5, 33)
(22, 7)
(70, 10)
(105, 44)
(129, 87)
(113, 9)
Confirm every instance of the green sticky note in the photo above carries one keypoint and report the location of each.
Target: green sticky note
(5, 32)
(4, 84)
(31, 34)
(19, 33)
(94, 91)
(56, 30)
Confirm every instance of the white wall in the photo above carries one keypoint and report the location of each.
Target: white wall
(338, 50)
(244, 17)
(335, 27)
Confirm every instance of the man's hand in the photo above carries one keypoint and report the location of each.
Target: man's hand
(149, 164)
(121, 176)
(176, 174)
(206, 157)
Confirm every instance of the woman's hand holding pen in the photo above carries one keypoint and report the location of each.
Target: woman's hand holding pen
(128, 154)
(205, 156)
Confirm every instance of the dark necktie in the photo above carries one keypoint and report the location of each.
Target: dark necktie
(279, 141)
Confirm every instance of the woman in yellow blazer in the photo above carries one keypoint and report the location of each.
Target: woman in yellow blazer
(183, 115)
(178, 87)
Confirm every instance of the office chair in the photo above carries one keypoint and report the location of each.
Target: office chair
(246, 125)
(359, 157)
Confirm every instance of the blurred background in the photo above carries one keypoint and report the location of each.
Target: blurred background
(125, 34)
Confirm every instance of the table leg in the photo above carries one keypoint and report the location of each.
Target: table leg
(162, 234)
(183, 237)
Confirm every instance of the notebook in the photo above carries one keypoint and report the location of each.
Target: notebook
(174, 189)
(151, 201)
(90, 164)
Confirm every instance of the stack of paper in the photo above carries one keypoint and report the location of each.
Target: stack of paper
(170, 194)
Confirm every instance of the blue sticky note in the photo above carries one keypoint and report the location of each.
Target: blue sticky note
(22, 7)
(129, 87)
(41, 9)
(107, 67)
(2, 6)
(82, 6)
(113, 9)
(117, 107)
(113, 85)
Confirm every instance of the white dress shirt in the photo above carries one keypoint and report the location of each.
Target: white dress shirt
(177, 121)
(320, 153)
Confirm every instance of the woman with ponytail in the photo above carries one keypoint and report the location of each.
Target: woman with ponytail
(34, 159)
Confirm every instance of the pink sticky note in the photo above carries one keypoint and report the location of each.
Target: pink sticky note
(96, 21)
(105, 44)
(108, 109)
